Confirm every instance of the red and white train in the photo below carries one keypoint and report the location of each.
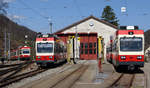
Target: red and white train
(49, 49)
(126, 49)
(22, 53)
(14, 55)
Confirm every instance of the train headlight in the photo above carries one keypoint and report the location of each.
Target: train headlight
(123, 57)
(139, 57)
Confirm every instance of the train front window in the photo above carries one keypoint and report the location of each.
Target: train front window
(44, 47)
(130, 44)
(26, 51)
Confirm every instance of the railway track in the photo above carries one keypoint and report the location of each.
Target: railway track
(19, 77)
(7, 74)
(12, 79)
(15, 67)
(124, 81)
(65, 77)
(11, 65)
(69, 80)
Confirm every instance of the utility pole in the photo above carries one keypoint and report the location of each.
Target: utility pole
(8, 46)
(5, 44)
(50, 27)
(76, 50)
(50, 23)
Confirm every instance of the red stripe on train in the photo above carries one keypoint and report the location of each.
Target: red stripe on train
(44, 58)
(45, 39)
(126, 32)
(130, 58)
(24, 56)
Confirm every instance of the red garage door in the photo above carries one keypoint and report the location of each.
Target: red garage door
(88, 46)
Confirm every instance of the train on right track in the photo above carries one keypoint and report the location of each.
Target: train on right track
(126, 48)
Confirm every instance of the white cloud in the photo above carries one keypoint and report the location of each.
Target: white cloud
(16, 17)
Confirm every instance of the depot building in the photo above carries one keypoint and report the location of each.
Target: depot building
(89, 29)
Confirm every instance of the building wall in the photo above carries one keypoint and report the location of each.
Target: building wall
(147, 54)
(92, 25)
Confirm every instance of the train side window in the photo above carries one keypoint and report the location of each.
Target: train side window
(57, 48)
(107, 49)
(110, 49)
(114, 47)
(20, 52)
(86, 45)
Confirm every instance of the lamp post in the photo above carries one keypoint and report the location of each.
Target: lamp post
(76, 50)
(8, 46)
(50, 23)
(5, 48)
(26, 36)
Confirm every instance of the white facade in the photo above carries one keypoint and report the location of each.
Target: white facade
(147, 54)
(92, 24)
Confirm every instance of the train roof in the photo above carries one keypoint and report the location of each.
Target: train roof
(46, 35)
(24, 47)
(129, 32)
(128, 28)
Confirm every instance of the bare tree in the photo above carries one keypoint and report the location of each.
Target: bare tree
(3, 6)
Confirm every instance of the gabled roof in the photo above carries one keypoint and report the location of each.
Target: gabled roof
(90, 17)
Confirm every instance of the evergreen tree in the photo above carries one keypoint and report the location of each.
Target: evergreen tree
(109, 16)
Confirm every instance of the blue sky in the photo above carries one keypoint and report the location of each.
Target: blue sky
(33, 13)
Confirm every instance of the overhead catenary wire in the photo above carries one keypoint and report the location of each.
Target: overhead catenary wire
(33, 10)
(78, 8)
(39, 13)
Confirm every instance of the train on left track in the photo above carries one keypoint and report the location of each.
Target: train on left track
(50, 49)
(21, 53)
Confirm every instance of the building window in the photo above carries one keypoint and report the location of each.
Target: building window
(82, 45)
(81, 51)
(94, 51)
(95, 45)
(86, 51)
(90, 45)
(90, 51)
(86, 45)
